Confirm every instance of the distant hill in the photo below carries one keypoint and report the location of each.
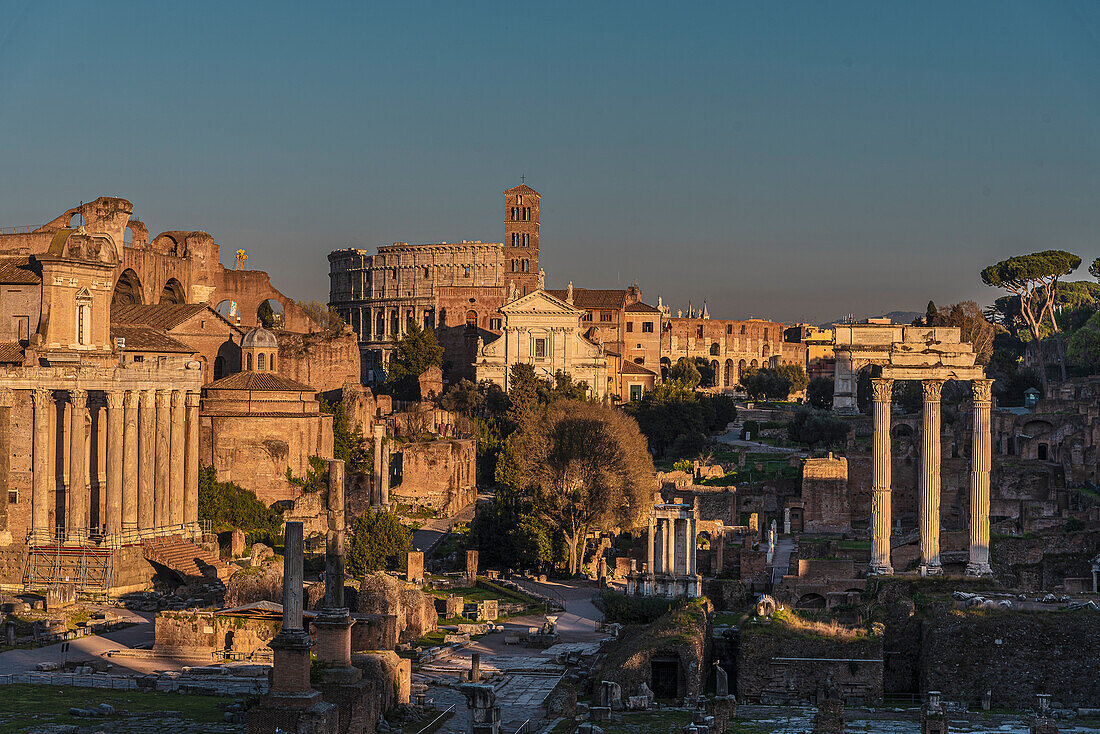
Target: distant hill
(898, 317)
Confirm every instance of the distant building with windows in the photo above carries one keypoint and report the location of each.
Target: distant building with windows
(455, 288)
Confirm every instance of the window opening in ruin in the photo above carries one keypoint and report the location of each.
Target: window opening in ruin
(526, 240)
(519, 200)
(699, 331)
(249, 362)
(526, 266)
(427, 274)
(714, 348)
(742, 328)
(647, 327)
(261, 362)
(605, 317)
(635, 392)
(466, 271)
(527, 214)
(765, 334)
(587, 316)
(219, 367)
(639, 360)
(729, 329)
(471, 319)
(1043, 452)
(139, 358)
(494, 324)
(540, 347)
(271, 362)
(13, 496)
(629, 327)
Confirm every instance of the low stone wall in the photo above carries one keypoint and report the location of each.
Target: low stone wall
(780, 666)
(199, 634)
(1015, 655)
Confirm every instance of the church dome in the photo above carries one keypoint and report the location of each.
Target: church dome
(259, 338)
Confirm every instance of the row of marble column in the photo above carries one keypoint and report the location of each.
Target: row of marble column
(929, 512)
(152, 463)
(662, 545)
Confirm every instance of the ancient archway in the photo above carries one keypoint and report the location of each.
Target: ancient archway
(172, 293)
(127, 290)
(230, 310)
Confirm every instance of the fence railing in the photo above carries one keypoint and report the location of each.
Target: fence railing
(20, 229)
(134, 536)
(450, 709)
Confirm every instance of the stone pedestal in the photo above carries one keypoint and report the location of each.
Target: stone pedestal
(481, 701)
(471, 567)
(292, 705)
(933, 715)
(414, 567)
(722, 708)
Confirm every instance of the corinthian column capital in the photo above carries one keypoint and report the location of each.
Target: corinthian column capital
(982, 391)
(932, 390)
(42, 398)
(882, 388)
(78, 396)
(114, 399)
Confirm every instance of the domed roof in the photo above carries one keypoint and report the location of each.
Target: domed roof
(259, 337)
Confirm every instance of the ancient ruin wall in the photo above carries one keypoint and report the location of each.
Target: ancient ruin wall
(438, 474)
(1014, 654)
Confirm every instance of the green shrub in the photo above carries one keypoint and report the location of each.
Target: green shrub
(378, 541)
(227, 505)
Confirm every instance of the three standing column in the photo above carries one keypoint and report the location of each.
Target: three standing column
(191, 464)
(880, 481)
(161, 480)
(147, 450)
(930, 479)
(40, 474)
(115, 443)
(980, 458)
(77, 529)
(130, 462)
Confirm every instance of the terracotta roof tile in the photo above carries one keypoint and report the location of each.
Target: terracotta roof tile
(147, 339)
(522, 189)
(16, 270)
(640, 307)
(11, 353)
(258, 381)
(160, 315)
(631, 368)
(588, 298)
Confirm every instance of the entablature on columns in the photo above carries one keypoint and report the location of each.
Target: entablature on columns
(939, 372)
(105, 379)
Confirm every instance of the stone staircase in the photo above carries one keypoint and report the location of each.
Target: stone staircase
(188, 559)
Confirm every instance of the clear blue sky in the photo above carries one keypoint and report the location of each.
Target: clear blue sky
(788, 160)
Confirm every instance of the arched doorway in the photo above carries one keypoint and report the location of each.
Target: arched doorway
(729, 380)
(471, 320)
(127, 290)
(172, 293)
(810, 601)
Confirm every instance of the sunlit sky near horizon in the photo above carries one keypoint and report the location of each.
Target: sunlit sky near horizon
(796, 161)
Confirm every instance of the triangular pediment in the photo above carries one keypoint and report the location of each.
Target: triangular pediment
(84, 294)
(539, 302)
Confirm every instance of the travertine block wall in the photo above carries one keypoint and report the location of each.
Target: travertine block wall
(825, 494)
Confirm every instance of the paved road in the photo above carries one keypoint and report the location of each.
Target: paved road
(433, 531)
(784, 547)
(579, 620)
(90, 648)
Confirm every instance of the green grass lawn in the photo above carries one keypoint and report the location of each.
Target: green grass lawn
(50, 705)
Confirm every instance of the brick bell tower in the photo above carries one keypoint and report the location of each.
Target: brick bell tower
(521, 238)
